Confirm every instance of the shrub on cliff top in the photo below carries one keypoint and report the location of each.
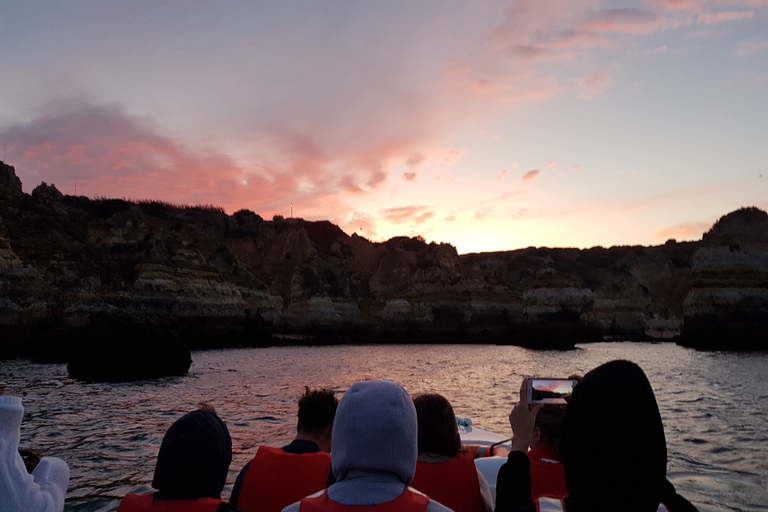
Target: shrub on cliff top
(745, 225)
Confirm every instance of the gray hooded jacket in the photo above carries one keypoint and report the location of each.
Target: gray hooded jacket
(374, 446)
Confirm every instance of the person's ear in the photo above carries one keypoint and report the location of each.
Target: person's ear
(537, 434)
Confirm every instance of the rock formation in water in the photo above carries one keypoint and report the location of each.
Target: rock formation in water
(69, 263)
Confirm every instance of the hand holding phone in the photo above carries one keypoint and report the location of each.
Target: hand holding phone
(522, 419)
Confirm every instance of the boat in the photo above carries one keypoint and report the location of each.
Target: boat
(476, 438)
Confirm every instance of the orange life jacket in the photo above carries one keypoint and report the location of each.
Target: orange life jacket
(547, 474)
(453, 483)
(275, 479)
(147, 503)
(410, 500)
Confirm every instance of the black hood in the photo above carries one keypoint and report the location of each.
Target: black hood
(614, 450)
(194, 458)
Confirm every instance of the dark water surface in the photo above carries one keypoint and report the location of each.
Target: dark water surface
(714, 406)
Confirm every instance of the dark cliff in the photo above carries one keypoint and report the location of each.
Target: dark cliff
(74, 270)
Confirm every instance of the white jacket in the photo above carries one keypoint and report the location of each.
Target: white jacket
(44, 489)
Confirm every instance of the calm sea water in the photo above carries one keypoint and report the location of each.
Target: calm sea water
(714, 407)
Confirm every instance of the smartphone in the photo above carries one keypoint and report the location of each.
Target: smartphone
(550, 391)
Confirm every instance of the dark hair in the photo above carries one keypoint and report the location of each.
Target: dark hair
(613, 441)
(549, 421)
(438, 432)
(317, 409)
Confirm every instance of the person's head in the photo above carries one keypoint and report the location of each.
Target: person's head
(194, 457)
(438, 432)
(375, 432)
(317, 409)
(614, 450)
(549, 427)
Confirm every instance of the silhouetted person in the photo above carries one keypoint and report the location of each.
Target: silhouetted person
(374, 454)
(614, 450)
(191, 469)
(445, 471)
(277, 477)
(41, 491)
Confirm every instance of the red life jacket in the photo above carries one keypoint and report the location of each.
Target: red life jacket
(275, 479)
(547, 474)
(410, 500)
(453, 483)
(557, 505)
(147, 503)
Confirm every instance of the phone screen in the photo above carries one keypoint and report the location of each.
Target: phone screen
(550, 391)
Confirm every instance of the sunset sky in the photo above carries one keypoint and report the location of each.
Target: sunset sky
(490, 125)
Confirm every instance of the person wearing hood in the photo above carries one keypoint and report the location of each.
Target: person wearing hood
(20, 491)
(613, 447)
(191, 468)
(374, 454)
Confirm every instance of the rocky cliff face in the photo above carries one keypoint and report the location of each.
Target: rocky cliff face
(71, 267)
(727, 306)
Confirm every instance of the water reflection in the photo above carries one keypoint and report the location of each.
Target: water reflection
(713, 406)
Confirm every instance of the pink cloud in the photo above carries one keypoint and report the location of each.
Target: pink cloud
(748, 48)
(531, 175)
(674, 5)
(595, 84)
(416, 160)
(482, 213)
(685, 231)
(575, 168)
(525, 53)
(551, 164)
(705, 34)
(630, 21)
(744, 3)
(574, 38)
(414, 214)
(501, 175)
(655, 51)
(500, 86)
(113, 154)
(409, 176)
(361, 223)
(720, 17)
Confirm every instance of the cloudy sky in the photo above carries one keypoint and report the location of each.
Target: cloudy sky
(487, 124)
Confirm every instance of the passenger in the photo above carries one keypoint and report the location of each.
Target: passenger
(374, 454)
(547, 474)
(445, 471)
(20, 491)
(614, 450)
(191, 469)
(263, 483)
